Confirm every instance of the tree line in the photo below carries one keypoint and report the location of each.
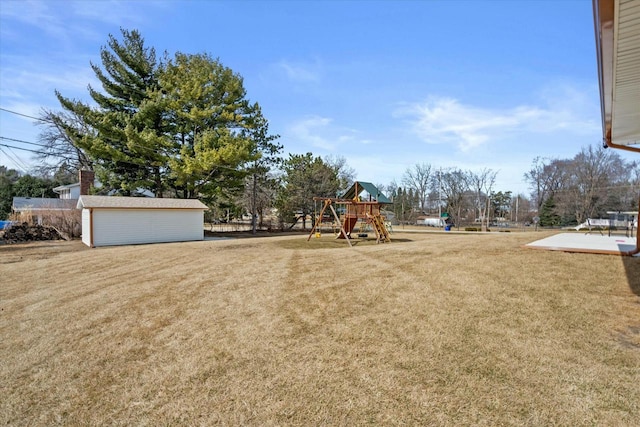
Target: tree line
(463, 196)
(564, 192)
(593, 182)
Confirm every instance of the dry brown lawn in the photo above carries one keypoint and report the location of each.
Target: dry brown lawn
(431, 329)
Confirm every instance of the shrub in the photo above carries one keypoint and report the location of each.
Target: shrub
(68, 223)
(474, 229)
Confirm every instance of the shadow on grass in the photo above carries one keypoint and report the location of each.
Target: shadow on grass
(328, 242)
(249, 234)
(632, 267)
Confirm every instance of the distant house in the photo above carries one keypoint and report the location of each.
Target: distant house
(108, 221)
(70, 191)
(86, 180)
(38, 208)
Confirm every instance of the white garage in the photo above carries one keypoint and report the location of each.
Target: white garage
(108, 221)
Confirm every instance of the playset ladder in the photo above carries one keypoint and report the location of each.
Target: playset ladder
(378, 225)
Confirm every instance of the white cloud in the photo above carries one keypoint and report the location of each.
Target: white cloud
(441, 120)
(119, 13)
(34, 84)
(300, 72)
(35, 13)
(321, 133)
(30, 73)
(67, 22)
(309, 131)
(38, 81)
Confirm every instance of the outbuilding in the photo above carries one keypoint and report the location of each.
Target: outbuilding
(108, 221)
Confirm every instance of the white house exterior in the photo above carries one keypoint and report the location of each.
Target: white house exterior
(70, 191)
(108, 221)
(86, 180)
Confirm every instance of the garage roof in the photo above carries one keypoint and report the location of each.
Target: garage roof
(109, 202)
(617, 28)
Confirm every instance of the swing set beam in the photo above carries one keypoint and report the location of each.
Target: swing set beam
(328, 203)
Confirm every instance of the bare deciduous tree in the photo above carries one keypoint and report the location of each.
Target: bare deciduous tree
(481, 184)
(597, 176)
(594, 181)
(546, 177)
(60, 150)
(346, 174)
(455, 187)
(418, 179)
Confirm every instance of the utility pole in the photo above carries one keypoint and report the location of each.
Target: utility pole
(440, 193)
(254, 214)
(488, 211)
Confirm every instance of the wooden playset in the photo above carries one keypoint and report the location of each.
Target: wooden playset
(353, 210)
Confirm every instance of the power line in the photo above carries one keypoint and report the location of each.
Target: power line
(14, 160)
(31, 151)
(127, 143)
(22, 141)
(65, 155)
(51, 151)
(24, 115)
(20, 148)
(60, 154)
(51, 121)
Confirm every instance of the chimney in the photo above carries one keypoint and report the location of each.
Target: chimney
(86, 181)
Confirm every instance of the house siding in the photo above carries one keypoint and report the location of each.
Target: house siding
(74, 193)
(134, 226)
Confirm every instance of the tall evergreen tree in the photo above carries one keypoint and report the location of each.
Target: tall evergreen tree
(305, 177)
(549, 217)
(126, 141)
(180, 127)
(261, 185)
(213, 125)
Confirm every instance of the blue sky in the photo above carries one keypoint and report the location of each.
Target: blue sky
(384, 84)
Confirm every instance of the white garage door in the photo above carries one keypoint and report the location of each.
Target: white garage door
(132, 226)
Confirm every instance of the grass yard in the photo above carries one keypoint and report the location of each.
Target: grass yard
(430, 329)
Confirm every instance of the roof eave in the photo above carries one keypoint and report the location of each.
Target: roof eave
(604, 13)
